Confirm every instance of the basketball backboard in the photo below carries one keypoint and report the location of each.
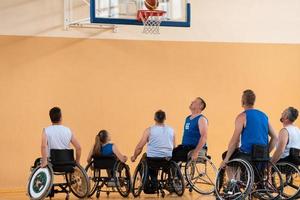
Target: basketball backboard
(178, 12)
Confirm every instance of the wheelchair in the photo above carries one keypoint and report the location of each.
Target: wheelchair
(200, 175)
(62, 164)
(154, 175)
(250, 176)
(116, 179)
(290, 173)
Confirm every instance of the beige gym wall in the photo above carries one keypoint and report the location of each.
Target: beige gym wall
(117, 85)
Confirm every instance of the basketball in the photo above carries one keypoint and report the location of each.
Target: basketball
(151, 4)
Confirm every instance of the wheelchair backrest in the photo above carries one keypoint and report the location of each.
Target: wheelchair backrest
(260, 152)
(158, 163)
(295, 155)
(62, 160)
(104, 162)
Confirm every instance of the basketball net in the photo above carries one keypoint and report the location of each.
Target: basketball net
(151, 20)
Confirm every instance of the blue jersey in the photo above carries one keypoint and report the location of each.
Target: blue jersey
(256, 130)
(107, 150)
(191, 134)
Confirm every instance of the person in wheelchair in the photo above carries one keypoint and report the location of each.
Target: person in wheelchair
(287, 154)
(104, 147)
(160, 140)
(289, 137)
(58, 159)
(105, 155)
(57, 136)
(252, 127)
(195, 133)
(250, 140)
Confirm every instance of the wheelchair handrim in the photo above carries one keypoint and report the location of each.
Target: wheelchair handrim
(118, 181)
(212, 180)
(43, 176)
(296, 170)
(248, 184)
(85, 178)
(143, 167)
(94, 188)
(180, 178)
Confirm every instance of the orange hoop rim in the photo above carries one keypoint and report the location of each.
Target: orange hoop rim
(145, 14)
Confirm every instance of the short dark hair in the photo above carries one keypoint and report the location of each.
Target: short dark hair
(292, 114)
(249, 97)
(203, 103)
(160, 116)
(55, 114)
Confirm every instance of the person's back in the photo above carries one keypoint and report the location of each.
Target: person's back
(104, 147)
(256, 130)
(107, 149)
(293, 139)
(58, 137)
(161, 141)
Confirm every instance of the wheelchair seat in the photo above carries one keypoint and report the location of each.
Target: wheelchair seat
(158, 163)
(62, 160)
(104, 162)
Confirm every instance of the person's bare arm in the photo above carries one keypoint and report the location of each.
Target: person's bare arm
(235, 139)
(274, 139)
(44, 147)
(119, 155)
(203, 127)
(139, 148)
(77, 146)
(283, 140)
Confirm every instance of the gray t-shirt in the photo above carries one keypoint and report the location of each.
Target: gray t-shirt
(161, 141)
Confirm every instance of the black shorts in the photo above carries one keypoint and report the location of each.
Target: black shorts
(180, 153)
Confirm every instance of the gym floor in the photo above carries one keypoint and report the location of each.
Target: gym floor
(186, 196)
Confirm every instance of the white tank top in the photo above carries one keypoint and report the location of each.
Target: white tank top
(161, 141)
(58, 137)
(294, 139)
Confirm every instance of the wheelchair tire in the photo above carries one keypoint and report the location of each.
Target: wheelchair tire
(264, 189)
(93, 176)
(40, 183)
(139, 178)
(201, 175)
(123, 178)
(177, 179)
(239, 185)
(290, 175)
(78, 182)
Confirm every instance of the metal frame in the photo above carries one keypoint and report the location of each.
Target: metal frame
(91, 21)
(94, 19)
(69, 22)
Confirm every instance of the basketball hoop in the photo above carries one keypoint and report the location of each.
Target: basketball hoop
(151, 20)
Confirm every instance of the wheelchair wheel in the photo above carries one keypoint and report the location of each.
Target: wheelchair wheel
(123, 179)
(201, 175)
(78, 181)
(234, 181)
(40, 183)
(290, 175)
(139, 178)
(268, 183)
(94, 177)
(177, 179)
